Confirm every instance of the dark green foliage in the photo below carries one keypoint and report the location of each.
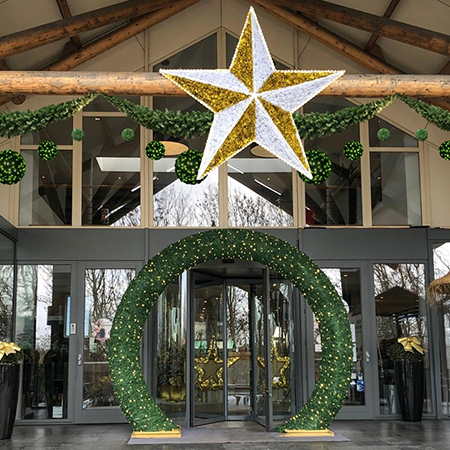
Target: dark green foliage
(77, 134)
(127, 134)
(421, 134)
(12, 167)
(397, 351)
(129, 384)
(155, 150)
(383, 134)
(187, 165)
(434, 114)
(353, 150)
(17, 123)
(47, 150)
(320, 166)
(444, 150)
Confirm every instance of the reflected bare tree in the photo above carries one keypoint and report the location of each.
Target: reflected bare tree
(6, 301)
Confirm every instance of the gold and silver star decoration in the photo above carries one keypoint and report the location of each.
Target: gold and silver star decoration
(210, 367)
(252, 102)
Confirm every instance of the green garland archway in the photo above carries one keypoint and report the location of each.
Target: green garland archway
(132, 393)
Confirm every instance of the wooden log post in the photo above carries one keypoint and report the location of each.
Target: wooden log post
(141, 83)
(392, 29)
(21, 41)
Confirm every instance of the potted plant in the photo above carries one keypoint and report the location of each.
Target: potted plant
(407, 355)
(10, 357)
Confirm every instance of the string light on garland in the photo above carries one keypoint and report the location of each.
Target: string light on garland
(12, 167)
(78, 134)
(444, 150)
(143, 292)
(383, 134)
(320, 166)
(155, 150)
(187, 165)
(47, 150)
(421, 134)
(127, 134)
(353, 150)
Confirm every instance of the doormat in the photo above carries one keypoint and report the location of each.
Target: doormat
(240, 432)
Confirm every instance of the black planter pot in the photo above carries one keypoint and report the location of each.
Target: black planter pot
(9, 391)
(410, 389)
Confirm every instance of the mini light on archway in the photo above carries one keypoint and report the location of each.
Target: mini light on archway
(131, 390)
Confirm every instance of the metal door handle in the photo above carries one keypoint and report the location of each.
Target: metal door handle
(80, 359)
(367, 357)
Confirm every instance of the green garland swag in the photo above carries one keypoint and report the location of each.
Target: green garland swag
(129, 384)
(188, 125)
(17, 123)
(434, 114)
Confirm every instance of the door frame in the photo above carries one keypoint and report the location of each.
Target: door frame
(367, 411)
(100, 415)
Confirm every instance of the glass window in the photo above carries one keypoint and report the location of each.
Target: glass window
(111, 172)
(338, 200)
(176, 203)
(347, 283)
(398, 138)
(46, 190)
(60, 133)
(395, 188)
(259, 190)
(104, 289)
(6, 287)
(401, 311)
(441, 259)
(101, 104)
(170, 355)
(42, 318)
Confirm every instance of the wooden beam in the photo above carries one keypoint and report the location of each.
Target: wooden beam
(67, 14)
(16, 100)
(328, 38)
(387, 14)
(148, 83)
(110, 40)
(65, 28)
(399, 31)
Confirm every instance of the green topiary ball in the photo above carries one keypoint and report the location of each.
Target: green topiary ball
(353, 150)
(444, 150)
(421, 134)
(187, 165)
(383, 134)
(155, 150)
(320, 166)
(12, 167)
(77, 134)
(47, 150)
(127, 134)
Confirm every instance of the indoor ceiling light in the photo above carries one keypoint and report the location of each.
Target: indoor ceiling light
(261, 152)
(174, 148)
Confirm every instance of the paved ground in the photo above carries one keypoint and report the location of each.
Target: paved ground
(371, 435)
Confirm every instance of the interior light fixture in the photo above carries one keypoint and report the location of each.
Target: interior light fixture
(261, 152)
(136, 188)
(174, 148)
(97, 118)
(267, 187)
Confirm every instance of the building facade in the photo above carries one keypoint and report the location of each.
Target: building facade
(230, 339)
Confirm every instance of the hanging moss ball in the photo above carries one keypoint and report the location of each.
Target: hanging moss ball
(353, 150)
(383, 134)
(127, 134)
(155, 150)
(444, 150)
(421, 134)
(47, 150)
(77, 134)
(187, 165)
(320, 166)
(12, 167)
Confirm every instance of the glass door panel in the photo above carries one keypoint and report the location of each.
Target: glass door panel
(239, 350)
(209, 352)
(103, 291)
